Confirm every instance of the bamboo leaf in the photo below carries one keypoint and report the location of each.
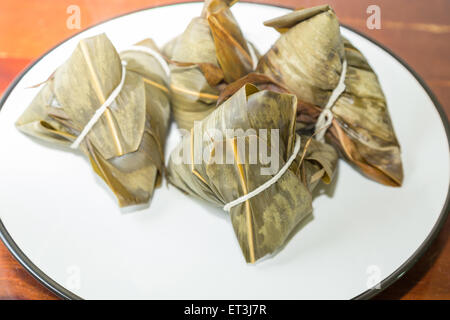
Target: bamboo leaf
(208, 55)
(232, 51)
(362, 129)
(82, 85)
(125, 150)
(262, 223)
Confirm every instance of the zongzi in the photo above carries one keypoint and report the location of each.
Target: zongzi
(224, 160)
(210, 53)
(114, 108)
(309, 59)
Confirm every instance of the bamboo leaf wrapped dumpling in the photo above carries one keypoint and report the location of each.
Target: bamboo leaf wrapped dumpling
(210, 53)
(125, 146)
(361, 128)
(222, 170)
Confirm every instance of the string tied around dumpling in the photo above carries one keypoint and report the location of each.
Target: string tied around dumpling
(115, 93)
(99, 112)
(227, 207)
(326, 116)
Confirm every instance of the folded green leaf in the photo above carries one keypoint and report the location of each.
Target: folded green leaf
(210, 53)
(263, 223)
(307, 60)
(125, 146)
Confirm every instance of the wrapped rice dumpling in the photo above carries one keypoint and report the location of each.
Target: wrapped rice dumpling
(125, 146)
(224, 157)
(308, 60)
(211, 53)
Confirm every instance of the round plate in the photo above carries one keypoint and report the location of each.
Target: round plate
(64, 226)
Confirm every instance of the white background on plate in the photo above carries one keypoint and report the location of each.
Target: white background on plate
(62, 216)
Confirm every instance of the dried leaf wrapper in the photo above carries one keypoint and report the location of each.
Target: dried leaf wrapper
(362, 129)
(211, 53)
(263, 223)
(125, 147)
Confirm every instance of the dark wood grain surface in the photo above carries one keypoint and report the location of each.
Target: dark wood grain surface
(416, 30)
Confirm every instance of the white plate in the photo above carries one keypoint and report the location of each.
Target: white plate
(73, 237)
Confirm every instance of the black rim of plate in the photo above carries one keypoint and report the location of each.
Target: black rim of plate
(389, 280)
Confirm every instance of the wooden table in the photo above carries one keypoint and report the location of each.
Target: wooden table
(416, 30)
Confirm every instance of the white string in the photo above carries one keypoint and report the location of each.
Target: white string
(154, 54)
(268, 183)
(116, 92)
(326, 116)
(100, 110)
